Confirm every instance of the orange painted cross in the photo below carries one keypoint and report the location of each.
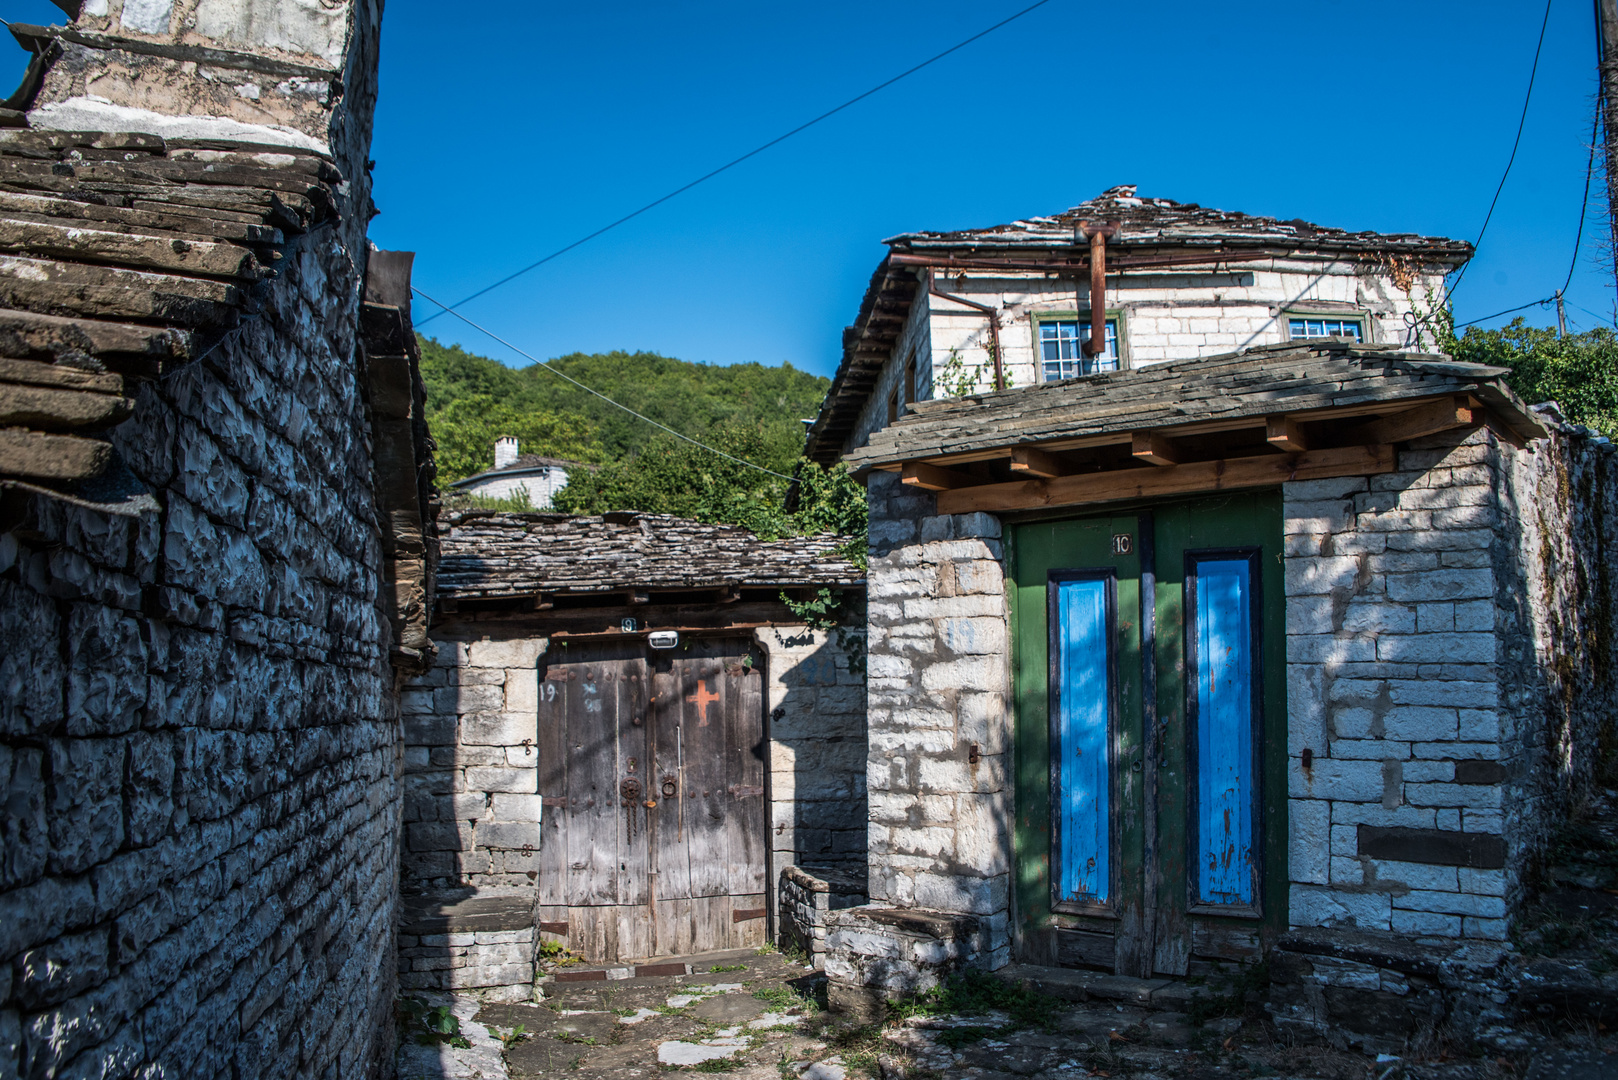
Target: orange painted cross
(702, 697)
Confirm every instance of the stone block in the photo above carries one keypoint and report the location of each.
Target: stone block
(1452, 648)
(471, 699)
(507, 807)
(507, 835)
(489, 778)
(522, 689)
(86, 810)
(1308, 822)
(499, 729)
(1435, 585)
(511, 653)
(1314, 905)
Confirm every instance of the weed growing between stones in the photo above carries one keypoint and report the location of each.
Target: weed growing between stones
(787, 997)
(974, 992)
(511, 1038)
(714, 1065)
(727, 967)
(428, 1026)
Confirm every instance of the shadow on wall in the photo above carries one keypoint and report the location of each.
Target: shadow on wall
(818, 726)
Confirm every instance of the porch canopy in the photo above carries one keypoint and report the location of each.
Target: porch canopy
(1294, 411)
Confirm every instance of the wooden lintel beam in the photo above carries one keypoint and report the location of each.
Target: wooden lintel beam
(932, 478)
(1032, 462)
(638, 596)
(1153, 448)
(1284, 433)
(1430, 418)
(1229, 474)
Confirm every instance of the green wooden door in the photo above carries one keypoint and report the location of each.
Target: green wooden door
(1150, 738)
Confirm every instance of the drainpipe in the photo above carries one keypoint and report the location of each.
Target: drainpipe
(1098, 233)
(994, 327)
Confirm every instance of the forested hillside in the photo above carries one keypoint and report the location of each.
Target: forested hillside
(748, 411)
(471, 400)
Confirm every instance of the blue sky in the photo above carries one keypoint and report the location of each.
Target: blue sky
(502, 139)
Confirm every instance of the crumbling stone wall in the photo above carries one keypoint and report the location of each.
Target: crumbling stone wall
(938, 687)
(1446, 681)
(198, 729)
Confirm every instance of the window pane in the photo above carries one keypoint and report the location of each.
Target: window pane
(1324, 327)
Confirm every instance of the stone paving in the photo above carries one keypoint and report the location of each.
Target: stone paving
(766, 1022)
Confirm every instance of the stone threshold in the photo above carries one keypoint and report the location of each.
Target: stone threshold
(1162, 994)
(651, 968)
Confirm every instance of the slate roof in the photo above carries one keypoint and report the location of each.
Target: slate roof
(1252, 384)
(122, 256)
(488, 554)
(1149, 228)
(1155, 222)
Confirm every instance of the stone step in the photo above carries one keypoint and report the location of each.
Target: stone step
(652, 968)
(1074, 984)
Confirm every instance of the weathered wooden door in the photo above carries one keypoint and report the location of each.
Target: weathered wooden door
(1148, 665)
(652, 773)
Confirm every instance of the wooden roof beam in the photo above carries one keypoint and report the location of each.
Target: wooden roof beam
(1284, 433)
(1229, 474)
(1154, 448)
(1431, 418)
(1028, 461)
(932, 478)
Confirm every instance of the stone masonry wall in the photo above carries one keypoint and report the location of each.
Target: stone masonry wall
(471, 803)
(939, 683)
(472, 808)
(198, 730)
(1421, 674)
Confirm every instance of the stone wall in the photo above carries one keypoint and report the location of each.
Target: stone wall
(1163, 317)
(198, 729)
(1446, 677)
(806, 899)
(939, 685)
(472, 808)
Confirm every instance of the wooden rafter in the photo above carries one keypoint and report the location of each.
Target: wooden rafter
(933, 478)
(1034, 462)
(1154, 448)
(1223, 475)
(1429, 418)
(1284, 433)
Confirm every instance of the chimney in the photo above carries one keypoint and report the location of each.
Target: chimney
(505, 451)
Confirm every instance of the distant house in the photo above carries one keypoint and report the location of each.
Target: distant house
(515, 474)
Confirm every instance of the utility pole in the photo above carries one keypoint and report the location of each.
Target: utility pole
(1607, 43)
(1561, 316)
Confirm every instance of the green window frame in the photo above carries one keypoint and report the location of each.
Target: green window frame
(1306, 325)
(1058, 339)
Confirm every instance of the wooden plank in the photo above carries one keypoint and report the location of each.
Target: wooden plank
(706, 770)
(672, 850)
(1084, 948)
(1033, 462)
(932, 478)
(551, 755)
(712, 928)
(745, 817)
(1225, 475)
(1224, 941)
(592, 800)
(674, 931)
(1445, 414)
(622, 689)
(1154, 448)
(1284, 433)
(634, 929)
(749, 921)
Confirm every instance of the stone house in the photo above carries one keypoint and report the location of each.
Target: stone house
(518, 475)
(214, 565)
(626, 736)
(1203, 647)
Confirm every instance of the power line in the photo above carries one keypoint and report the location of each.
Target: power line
(1508, 311)
(1589, 170)
(1605, 320)
(731, 164)
(1521, 122)
(563, 375)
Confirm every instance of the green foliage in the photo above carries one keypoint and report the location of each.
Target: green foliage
(974, 992)
(429, 1026)
(573, 423)
(729, 967)
(1578, 372)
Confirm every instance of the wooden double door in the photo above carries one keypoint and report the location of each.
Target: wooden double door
(1150, 746)
(652, 773)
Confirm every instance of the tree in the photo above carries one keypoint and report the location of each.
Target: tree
(465, 431)
(1579, 372)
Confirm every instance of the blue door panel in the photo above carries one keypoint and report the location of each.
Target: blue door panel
(1225, 806)
(1083, 731)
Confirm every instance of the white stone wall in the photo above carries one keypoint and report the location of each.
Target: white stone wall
(1392, 682)
(1164, 316)
(939, 682)
(472, 805)
(815, 693)
(540, 488)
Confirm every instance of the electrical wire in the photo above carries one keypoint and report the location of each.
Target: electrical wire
(1508, 311)
(1589, 170)
(563, 375)
(1604, 320)
(1521, 122)
(737, 161)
